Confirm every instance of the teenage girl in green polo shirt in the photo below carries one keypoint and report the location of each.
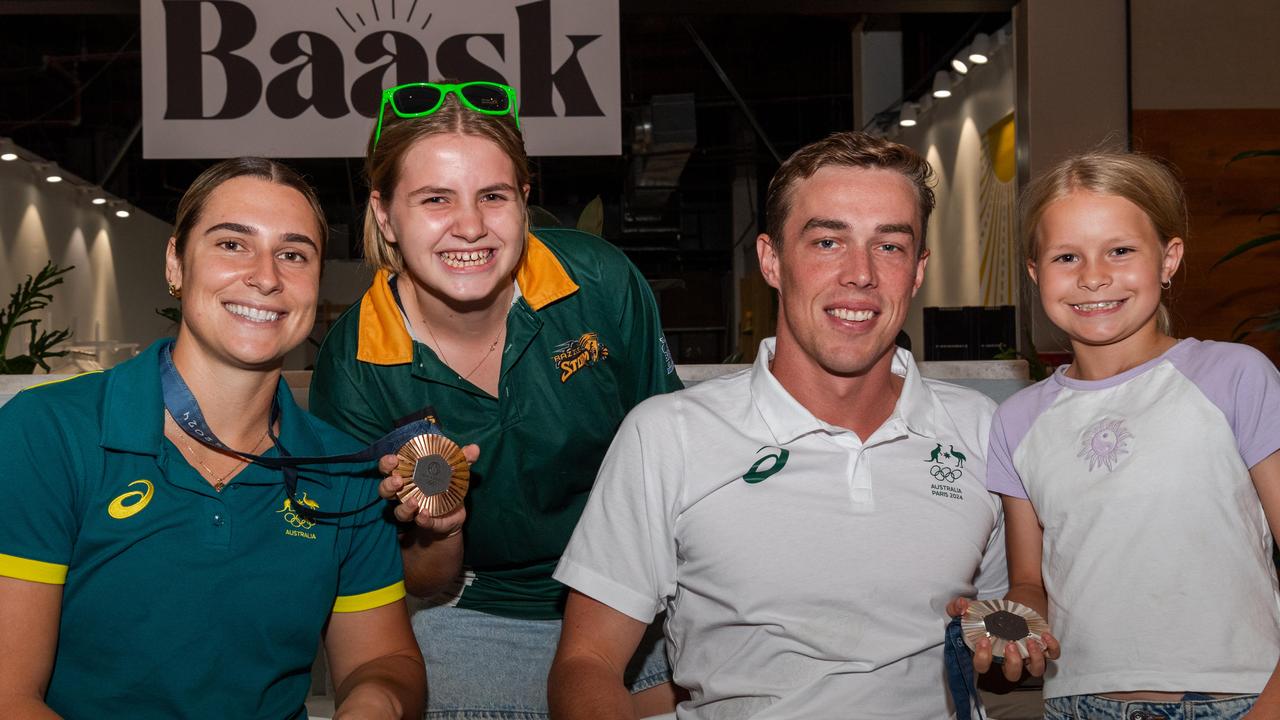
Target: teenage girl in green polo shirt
(145, 574)
(530, 344)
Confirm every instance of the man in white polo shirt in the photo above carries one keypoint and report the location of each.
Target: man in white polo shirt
(803, 523)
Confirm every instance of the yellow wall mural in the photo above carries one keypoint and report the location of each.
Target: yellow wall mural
(997, 199)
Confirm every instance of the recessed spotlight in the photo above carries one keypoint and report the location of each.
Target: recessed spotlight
(122, 213)
(53, 178)
(99, 201)
(9, 157)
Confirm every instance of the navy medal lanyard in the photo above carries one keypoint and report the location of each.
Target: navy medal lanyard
(184, 409)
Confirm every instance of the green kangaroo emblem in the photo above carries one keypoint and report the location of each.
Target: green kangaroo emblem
(933, 456)
(756, 474)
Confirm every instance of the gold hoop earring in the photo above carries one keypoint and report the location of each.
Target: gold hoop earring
(175, 292)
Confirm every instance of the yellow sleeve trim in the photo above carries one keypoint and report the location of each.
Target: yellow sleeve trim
(47, 383)
(36, 571)
(369, 600)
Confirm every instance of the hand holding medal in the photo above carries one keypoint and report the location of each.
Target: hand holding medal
(1005, 632)
(429, 476)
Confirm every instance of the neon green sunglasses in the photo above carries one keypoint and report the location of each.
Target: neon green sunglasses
(413, 100)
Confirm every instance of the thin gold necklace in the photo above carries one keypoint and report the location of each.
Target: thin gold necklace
(487, 353)
(219, 481)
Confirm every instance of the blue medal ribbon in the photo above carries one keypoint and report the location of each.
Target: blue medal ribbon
(182, 406)
(961, 681)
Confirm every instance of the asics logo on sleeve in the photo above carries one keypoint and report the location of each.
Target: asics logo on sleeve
(128, 504)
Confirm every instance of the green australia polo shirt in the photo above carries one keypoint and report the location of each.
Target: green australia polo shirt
(179, 601)
(584, 345)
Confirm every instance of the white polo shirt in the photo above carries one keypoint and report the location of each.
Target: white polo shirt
(805, 573)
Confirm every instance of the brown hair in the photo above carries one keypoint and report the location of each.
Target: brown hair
(847, 149)
(1143, 180)
(383, 162)
(194, 199)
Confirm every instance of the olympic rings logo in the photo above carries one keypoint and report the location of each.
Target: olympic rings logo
(293, 519)
(945, 474)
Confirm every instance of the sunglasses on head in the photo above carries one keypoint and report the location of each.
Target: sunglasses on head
(413, 100)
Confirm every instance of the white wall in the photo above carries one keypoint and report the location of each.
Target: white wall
(949, 135)
(118, 279)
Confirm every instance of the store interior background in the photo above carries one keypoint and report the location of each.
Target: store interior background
(1190, 81)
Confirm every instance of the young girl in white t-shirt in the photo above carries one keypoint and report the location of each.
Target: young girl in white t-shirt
(1141, 484)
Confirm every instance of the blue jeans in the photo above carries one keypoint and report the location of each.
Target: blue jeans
(486, 667)
(1193, 706)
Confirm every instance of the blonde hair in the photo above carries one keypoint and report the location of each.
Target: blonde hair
(383, 162)
(1143, 180)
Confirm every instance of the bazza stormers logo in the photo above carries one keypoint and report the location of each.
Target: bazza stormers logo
(946, 467)
(300, 524)
(584, 351)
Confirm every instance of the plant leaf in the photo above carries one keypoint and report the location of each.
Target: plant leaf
(1275, 152)
(1246, 247)
(592, 218)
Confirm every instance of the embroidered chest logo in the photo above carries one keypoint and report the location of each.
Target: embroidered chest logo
(128, 504)
(946, 467)
(767, 466)
(584, 351)
(299, 525)
(1105, 444)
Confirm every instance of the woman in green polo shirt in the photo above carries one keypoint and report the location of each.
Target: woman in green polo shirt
(531, 344)
(147, 574)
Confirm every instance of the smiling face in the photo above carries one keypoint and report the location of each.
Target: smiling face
(1099, 264)
(847, 268)
(249, 274)
(457, 216)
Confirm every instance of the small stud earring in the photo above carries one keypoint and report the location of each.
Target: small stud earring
(175, 292)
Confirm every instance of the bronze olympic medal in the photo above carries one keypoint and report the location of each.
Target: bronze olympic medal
(1004, 621)
(437, 475)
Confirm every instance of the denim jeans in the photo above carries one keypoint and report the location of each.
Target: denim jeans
(1193, 706)
(486, 667)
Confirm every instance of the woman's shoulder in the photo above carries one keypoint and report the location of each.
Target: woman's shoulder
(583, 253)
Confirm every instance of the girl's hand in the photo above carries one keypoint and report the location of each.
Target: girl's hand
(439, 528)
(1038, 653)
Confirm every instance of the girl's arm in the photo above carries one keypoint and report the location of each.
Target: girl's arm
(1024, 542)
(1266, 479)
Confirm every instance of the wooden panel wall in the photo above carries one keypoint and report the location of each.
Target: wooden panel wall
(1225, 202)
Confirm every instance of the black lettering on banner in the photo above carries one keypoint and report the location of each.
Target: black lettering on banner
(184, 59)
(456, 63)
(537, 79)
(405, 53)
(324, 66)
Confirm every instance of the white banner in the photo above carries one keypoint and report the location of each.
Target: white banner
(302, 78)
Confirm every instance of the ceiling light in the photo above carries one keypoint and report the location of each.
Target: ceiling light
(53, 177)
(9, 157)
(122, 213)
(907, 116)
(942, 84)
(958, 64)
(99, 200)
(980, 50)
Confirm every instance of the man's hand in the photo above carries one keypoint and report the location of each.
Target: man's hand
(1038, 652)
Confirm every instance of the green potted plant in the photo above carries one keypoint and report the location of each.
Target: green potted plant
(32, 295)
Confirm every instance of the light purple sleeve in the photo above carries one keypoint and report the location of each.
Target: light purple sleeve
(1245, 385)
(1010, 425)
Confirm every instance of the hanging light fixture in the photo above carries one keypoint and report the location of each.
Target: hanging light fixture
(907, 116)
(980, 49)
(958, 63)
(942, 84)
(98, 200)
(51, 174)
